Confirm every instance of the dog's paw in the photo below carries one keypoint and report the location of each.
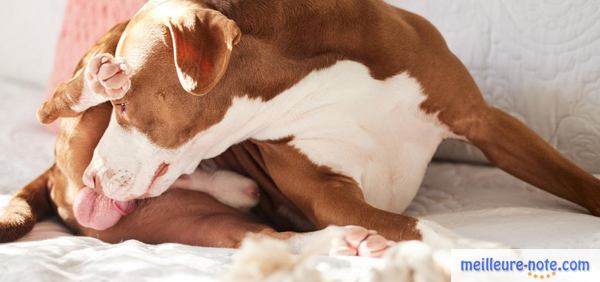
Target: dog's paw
(359, 241)
(234, 190)
(227, 187)
(108, 76)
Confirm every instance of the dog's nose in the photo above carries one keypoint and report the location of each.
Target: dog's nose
(114, 184)
(117, 183)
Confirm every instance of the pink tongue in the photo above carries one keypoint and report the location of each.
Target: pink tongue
(98, 212)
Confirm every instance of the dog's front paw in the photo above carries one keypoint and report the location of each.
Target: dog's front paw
(227, 187)
(108, 76)
(359, 241)
(234, 190)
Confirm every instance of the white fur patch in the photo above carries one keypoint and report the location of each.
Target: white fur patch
(373, 131)
(88, 99)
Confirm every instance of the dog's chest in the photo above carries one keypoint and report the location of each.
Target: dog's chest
(372, 131)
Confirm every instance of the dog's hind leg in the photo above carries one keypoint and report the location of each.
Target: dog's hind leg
(505, 141)
(516, 149)
(454, 97)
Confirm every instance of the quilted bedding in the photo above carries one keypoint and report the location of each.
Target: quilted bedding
(560, 99)
(538, 60)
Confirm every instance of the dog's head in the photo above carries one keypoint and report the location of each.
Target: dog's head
(177, 51)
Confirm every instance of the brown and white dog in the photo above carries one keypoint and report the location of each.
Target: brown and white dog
(181, 215)
(338, 105)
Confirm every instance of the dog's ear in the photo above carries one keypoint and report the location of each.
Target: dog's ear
(202, 46)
